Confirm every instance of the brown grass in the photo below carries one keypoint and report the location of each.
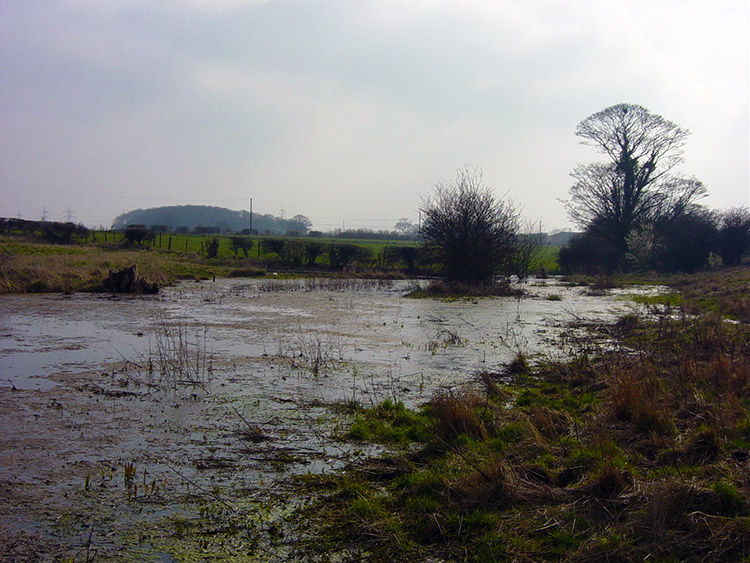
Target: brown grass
(52, 273)
(454, 413)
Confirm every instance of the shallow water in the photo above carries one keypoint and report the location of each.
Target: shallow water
(417, 343)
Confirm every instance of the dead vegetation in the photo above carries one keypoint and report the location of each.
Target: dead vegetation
(639, 453)
(178, 357)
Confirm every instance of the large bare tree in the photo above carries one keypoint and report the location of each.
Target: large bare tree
(635, 185)
(471, 233)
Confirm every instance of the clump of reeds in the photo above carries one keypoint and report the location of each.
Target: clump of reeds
(177, 357)
(248, 272)
(181, 357)
(454, 413)
(445, 289)
(315, 351)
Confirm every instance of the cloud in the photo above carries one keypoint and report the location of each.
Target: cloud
(357, 107)
(171, 6)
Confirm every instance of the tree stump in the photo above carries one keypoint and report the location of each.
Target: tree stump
(128, 281)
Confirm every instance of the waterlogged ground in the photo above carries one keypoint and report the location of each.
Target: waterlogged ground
(163, 428)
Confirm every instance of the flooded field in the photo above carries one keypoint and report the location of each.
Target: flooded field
(120, 418)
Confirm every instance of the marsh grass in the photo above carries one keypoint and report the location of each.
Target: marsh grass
(316, 351)
(638, 452)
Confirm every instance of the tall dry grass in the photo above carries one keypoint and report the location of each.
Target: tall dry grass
(50, 273)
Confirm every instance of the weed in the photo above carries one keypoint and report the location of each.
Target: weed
(390, 423)
(731, 501)
(180, 359)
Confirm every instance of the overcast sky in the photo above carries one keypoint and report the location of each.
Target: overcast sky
(350, 111)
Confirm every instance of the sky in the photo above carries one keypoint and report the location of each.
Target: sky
(351, 111)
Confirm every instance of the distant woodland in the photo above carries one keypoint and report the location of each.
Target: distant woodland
(211, 219)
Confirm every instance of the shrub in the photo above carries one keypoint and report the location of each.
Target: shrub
(212, 248)
(346, 254)
(135, 234)
(588, 253)
(241, 243)
(472, 234)
(454, 414)
(734, 234)
(686, 241)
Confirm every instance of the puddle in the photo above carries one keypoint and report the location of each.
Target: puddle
(76, 408)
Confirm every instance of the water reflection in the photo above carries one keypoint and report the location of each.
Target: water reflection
(415, 344)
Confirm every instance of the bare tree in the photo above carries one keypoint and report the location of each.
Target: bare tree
(471, 233)
(405, 227)
(635, 186)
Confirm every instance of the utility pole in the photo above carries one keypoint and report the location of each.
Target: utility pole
(251, 216)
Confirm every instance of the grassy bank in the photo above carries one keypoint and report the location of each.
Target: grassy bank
(637, 451)
(28, 267)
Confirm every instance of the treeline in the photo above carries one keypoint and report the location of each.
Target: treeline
(207, 220)
(636, 212)
(60, 233)
(367, 234)
(297, 253)
(695, 239)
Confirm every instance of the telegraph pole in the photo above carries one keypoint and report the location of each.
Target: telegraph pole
(251, 216)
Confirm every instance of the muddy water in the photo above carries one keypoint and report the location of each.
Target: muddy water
(78, 401)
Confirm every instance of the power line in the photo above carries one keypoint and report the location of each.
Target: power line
(111, 196)
(322, 218)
